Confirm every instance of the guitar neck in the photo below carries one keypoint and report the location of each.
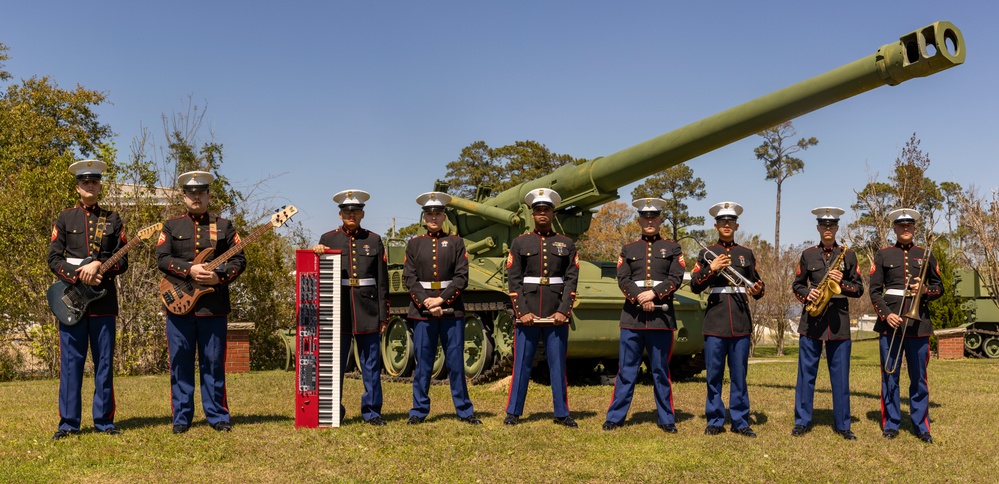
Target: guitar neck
(211, 266)
(108, 264)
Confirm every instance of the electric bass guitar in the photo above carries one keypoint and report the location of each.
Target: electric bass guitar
(69, 301)
(180, 294)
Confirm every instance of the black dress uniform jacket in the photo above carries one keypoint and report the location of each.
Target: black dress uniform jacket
(183, 238)
(433, 258)
(363, 256)
(71, 237)
(891, 267)
(834, 322)
(542, 256)
(649, 259)
(727, 315)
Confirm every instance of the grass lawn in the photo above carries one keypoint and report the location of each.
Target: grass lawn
(265, 446)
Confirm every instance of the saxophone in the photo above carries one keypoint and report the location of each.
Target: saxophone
(827, 288)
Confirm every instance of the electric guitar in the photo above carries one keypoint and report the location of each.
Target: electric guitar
(179, 295)
(68, 302)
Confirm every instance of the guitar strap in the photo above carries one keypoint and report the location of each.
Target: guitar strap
(213, 232)
(95, 242)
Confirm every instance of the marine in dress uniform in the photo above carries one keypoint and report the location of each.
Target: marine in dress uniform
(727, 321)
(82, 232)
(894, 277)
(203, 329)
(436, 271)
(542, 269)
(649, 271)
(831, 328)
(364, 304)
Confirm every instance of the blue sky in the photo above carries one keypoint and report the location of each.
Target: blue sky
(381, 95)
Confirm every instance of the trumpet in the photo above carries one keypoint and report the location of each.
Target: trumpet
(733, 276)
(892, 365)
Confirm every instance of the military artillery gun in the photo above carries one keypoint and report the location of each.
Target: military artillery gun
(489, 224)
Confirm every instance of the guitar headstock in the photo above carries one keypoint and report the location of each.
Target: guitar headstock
(149, 231)
(283, 215)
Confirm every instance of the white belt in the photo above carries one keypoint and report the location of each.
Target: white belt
(358, 282)
(647, 283)
(838, 296)
(728, 290)
(74, 260)
(435, 284)
(896, 292)
(544, 281)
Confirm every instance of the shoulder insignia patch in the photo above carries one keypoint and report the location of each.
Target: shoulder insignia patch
(55, 233)
(509, 260)
(235, 238)
(161, 239)
(872, 267)
(683, 263)
(620, 260)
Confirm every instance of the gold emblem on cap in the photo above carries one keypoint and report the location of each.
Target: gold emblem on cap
(433, 196)
(90, 163)
(726, 204)
(541, 191)
(827, 210)
(904, 213)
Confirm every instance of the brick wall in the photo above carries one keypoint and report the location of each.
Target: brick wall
(237, 347)
(950, 343)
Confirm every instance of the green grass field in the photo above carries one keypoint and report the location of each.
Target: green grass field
(265, 446)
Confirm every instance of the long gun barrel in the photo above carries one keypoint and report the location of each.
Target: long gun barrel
(921, 53)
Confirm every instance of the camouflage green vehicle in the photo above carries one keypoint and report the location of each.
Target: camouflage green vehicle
(489, 224)
(982, 336)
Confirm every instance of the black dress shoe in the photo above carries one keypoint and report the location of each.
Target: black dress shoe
(669, 428)
(471, 420)
(414, 420)
(511, 419)
(890, 434)
(63, 433)
(378, 421)
(611, 425)
(745, 432)
(566, 421)
(847, 434)
(713, 430)
(112, 430)
(222, 427)
(179, 429)
(798, 430)
(925, 437)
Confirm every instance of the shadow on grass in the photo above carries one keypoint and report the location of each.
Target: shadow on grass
(823, 417)
(875, 396)
(875, 415)
(584, 415)
(652, 416)
(167, 421)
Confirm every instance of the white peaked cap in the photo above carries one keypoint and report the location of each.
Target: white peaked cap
(351, 197)
(195, 180)
(727, 210)
(649, 204)
(546, 196)
(433, 201)
(903, 215)
(88, 169)
(826, 214)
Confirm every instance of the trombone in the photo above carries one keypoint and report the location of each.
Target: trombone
(733, 276)
(892, 365)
